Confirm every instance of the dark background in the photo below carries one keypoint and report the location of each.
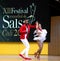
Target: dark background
(54, 6)
(42, 13)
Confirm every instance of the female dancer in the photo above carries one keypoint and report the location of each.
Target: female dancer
(40, 37)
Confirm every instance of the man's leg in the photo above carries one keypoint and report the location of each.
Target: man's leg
(26, 50)
(27, 47)
(22, 40)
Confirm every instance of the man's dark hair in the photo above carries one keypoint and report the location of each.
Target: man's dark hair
(26, 19)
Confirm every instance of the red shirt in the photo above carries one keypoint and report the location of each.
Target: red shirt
(23, 31)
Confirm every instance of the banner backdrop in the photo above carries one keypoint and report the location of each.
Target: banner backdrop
(13, 13)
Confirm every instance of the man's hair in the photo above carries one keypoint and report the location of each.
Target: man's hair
(25, 18)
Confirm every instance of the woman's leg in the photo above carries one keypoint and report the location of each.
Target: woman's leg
(40, 44)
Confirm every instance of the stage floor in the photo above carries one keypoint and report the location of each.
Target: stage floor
(17, 58)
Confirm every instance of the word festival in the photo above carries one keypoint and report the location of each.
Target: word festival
(11, 15)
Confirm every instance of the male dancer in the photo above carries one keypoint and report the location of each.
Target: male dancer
(24, 33)
(40, 36)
